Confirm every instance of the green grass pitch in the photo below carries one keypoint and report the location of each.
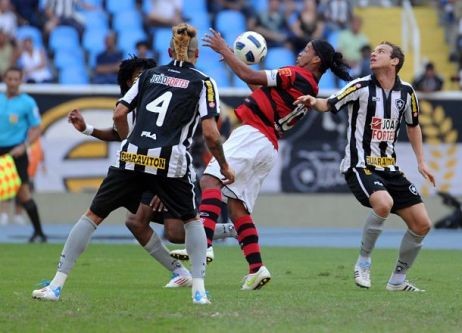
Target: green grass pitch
(119, 288)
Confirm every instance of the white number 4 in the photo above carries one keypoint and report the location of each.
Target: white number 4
(160, 106)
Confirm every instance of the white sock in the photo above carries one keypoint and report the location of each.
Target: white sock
(58, 280)
(198, 285)
(397, 278)
(363, 261)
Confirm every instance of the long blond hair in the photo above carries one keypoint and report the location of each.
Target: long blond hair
(184, 41)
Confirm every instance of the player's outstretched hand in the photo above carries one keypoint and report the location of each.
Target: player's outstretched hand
(229, 175)
(214, 40)
(306, 100)
(76, 119)
(425, 172)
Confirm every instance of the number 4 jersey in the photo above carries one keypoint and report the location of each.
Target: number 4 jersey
(169, 102)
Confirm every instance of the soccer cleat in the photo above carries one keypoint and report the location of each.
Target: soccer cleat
(201, 298)
(405, 286)
(256, 280)
(182, 254)
(41, 238)
(47, 293)
(179, 280)
(363, 275)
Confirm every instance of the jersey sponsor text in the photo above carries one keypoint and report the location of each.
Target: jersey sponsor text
(139, 159)
(169, 81)
(383, 129)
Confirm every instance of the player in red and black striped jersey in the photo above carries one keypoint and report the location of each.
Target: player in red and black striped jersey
(376, 106)
(252, 148)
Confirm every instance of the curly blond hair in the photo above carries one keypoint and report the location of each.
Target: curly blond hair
(184, 41)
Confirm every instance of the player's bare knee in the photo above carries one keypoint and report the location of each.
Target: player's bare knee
(208, 182)
(174, 238)
(423, 227)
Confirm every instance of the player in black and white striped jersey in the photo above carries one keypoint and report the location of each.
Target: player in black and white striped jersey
(154, 156)
(376, 106)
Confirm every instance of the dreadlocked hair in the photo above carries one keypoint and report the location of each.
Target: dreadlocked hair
(128, 67)
(182, 34)
(339, 67)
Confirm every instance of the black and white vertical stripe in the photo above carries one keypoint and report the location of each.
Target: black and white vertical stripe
(365, 100)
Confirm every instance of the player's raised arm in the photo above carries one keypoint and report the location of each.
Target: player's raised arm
(78, 121)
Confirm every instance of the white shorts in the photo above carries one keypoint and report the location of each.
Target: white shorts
(252, 156)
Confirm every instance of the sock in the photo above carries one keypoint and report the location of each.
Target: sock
(247, 236)
(408, 251)
(32, 211)
(224, 230)
(76, 243)
(196, 246)
(364, 261)
(371, 232)
(58, 280)
(159, 252)
(210, 209)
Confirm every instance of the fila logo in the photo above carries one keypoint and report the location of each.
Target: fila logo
(378, 183)
(149, 135)
(376, 99)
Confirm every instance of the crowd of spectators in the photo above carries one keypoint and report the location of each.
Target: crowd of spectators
(288, 24)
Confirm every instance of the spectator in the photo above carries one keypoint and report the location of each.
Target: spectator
(337, 14)
(28, 12)
(350, 42)
(165, 13)
(8, 20)
(365, 62)
(63, 12)
(34, 63)
(143, 50)
(307, 26)
(272, 24)
(429, 80)
(7, 53)
(107, 62)
(242, 6)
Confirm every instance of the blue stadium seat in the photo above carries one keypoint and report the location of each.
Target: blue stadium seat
(278, 57)
(73, 75)
(260, 5)
(127, 20)
(219, 73)
(93, 39)
(69, 58)
(64, 37)
(230, 23)
(193, 7)
(332, 38)
(29, 31)
(161, 43)
(117, 6)
(127, 39)
(95, 19)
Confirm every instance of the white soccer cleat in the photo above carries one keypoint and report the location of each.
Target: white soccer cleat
(363, 275)
(405, 286)
(201, 298)
(182, 254)
(179, 280)
(256, 280)
(47, 293)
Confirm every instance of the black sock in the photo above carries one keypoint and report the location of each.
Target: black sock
(32, 212)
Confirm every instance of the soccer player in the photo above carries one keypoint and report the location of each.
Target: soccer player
(170, 101)
(19, 128)
(252, 148)
(376, 106)
(138, 224)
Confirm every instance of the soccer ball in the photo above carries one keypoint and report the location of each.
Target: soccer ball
(250, 47)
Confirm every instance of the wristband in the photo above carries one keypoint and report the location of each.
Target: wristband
(88, 130)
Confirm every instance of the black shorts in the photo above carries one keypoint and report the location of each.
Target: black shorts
(124, 188)
(364, 182)
(21, 162)
(156, 217)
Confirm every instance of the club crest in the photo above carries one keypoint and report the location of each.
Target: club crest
(399, 103)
